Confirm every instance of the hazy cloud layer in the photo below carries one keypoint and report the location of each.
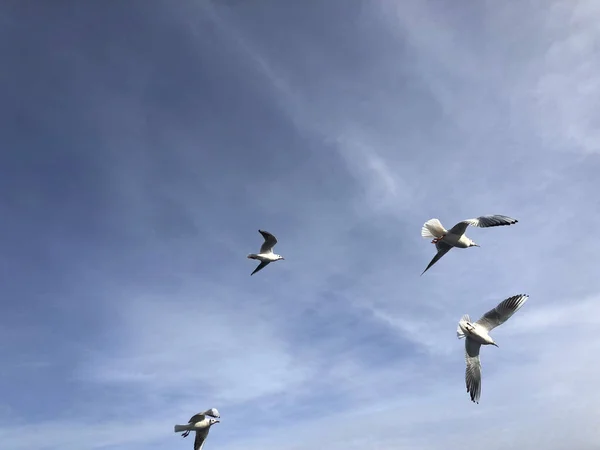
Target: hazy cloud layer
(145, 144)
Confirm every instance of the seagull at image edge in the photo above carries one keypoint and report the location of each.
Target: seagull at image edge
(201, 424)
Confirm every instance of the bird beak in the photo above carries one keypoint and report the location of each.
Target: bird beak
(476, 245)
(217, 421)
(495, 345)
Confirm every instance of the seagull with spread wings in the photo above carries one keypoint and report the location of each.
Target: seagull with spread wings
(445, 240)
(266, 255)
(477, 334)
(200, 423)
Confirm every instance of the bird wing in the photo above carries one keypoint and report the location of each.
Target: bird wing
(212, 412)
(196, 418)
(200, 438)
(433, 228)
(473, 372)
(442, 249)
(502, 312)
(261, 266)
(494, 220)
(269, 243)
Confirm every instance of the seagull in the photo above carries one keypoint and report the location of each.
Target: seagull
(477, 334)
(444, 239)
(201, 424)
(212, 412)
(266, 255)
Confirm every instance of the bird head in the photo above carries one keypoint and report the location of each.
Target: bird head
(280, 257)
(213, 421)
(473, 244)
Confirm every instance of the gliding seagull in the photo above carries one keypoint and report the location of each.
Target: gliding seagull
(201, 424)
(445, 240)
(477, 334)
(212, 412)
(266, 255)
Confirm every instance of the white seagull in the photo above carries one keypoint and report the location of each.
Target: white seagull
(266, 255)
(201, 424)
(477, 334)
(445, 240)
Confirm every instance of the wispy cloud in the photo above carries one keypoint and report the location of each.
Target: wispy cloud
(194, 345)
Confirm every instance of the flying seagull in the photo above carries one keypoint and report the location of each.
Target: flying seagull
(266, 255)
(477, 334)
(212, 412)
(445, 240)
(201, 424)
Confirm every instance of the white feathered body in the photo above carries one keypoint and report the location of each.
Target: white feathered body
(434, 228)
(193, 426)
(270, 257)
(454, 240)
(474, 331)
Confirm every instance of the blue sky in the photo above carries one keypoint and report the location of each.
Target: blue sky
(145, 143)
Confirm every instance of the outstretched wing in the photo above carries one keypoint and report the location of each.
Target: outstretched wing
(502, 312)
(442, 249)
(261, 266)
(269, 243)
(473, 372)
(196, 418)
(495, 220)
(212, 412)
(200, 438)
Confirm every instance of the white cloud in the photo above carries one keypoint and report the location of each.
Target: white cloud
(567, 83)
(536, 60)
(357, 148)
(174, 345)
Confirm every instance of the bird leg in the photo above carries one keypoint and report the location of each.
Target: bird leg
(186, 433)
(436, 240)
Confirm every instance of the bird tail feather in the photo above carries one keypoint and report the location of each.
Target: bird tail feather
(433, 228)
(459, 330)
(180, 428)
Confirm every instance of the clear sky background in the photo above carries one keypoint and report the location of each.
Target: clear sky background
(144, 143)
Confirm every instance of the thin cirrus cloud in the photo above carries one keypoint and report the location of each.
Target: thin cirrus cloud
(145, 160)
